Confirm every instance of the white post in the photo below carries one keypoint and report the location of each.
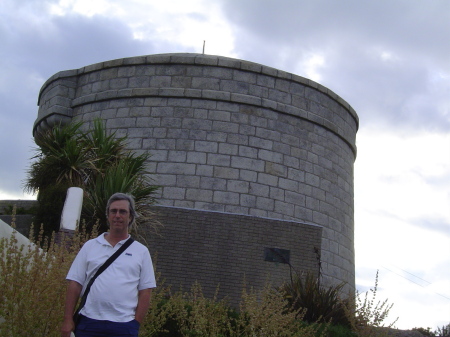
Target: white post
(71, 213)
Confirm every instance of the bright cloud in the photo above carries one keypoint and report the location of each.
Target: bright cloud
(185, 23)
(406, 167)
(312, 66)
(401, 192)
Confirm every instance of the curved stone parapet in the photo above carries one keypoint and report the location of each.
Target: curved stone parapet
(231, 81)
(226, 135)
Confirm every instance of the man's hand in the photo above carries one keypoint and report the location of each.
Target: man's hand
(144, 297)
(72, 294)
(67, 327)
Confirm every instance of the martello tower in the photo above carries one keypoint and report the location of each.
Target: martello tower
(251, 160)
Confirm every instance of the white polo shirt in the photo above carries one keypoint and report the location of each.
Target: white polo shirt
(114, 294)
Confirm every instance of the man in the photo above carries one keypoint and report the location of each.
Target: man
(120, 296)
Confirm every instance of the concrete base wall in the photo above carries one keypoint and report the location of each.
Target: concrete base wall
(225, 250)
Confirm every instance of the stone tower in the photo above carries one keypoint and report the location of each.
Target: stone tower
(236, 147)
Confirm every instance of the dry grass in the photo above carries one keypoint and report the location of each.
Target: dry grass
(368, 315)
(32, 283)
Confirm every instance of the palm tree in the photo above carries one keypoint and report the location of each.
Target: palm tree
(59, 164)
(60, 158)
(97, 162)
(126, 175)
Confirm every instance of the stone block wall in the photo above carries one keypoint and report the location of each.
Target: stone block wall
(226, 135)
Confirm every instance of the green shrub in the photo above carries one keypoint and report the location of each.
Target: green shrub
(190, 314)
(339, 331)
(197, 316)
(320, 304)
(267, 313)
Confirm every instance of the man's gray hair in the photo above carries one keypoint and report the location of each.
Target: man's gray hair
(123, 196)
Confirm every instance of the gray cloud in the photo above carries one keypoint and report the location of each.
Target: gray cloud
(413, 26)
(35, 46)
(383, 58)
(407, 90)
(31, 55)
(75, 41)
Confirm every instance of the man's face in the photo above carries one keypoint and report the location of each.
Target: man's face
(119, 216)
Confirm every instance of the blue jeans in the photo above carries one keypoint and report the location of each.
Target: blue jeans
(88, 327)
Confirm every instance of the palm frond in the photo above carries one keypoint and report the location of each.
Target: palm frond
(94, 160)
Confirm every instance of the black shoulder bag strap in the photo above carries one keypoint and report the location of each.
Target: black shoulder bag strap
(99, 271)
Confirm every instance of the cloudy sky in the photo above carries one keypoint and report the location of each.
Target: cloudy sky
(388, 58)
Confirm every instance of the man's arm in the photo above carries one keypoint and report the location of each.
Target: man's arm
(144, 297)
(72, 295)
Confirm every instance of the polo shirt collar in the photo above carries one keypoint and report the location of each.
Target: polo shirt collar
(103, 241)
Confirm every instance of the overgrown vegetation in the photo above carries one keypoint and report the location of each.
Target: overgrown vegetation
(96, 161)
(190, 314)
(32, 283)
(33, 290)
